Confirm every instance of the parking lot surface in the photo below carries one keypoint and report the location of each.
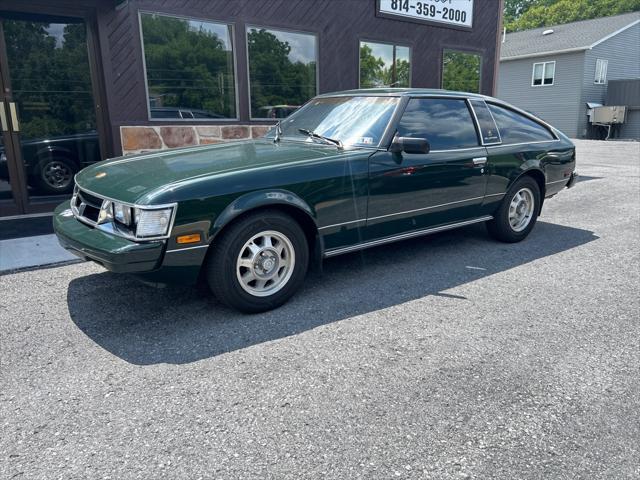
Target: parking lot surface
(450, 356)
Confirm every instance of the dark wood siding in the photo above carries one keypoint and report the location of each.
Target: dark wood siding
(339, 24)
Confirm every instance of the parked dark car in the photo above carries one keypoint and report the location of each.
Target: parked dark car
(172, 113)
(347, 171)
(278, 111)
(51, 163)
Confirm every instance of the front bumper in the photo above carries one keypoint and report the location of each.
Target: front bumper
(112, 252)
(572, 179)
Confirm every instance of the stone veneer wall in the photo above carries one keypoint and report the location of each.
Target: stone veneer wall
(149, 139)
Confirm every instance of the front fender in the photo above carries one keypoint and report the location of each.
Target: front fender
(262, 198)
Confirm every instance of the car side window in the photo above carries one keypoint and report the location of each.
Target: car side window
(516, 128)
(446, 123)
(488, 127)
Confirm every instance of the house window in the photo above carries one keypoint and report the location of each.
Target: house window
(282, 71)
(543, 73)
(189, 67)
(384, 65)
(461, 71)
(601, 71)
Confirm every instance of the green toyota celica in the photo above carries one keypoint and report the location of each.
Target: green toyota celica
(347, 171)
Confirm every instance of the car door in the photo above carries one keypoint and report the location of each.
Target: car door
(413, 191)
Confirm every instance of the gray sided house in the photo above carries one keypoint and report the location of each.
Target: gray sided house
(554, 71)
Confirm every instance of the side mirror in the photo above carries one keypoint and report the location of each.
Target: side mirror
(409, 145)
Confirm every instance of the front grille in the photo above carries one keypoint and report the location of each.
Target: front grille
(87, 206)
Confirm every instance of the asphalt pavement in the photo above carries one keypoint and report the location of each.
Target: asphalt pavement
(446, 357)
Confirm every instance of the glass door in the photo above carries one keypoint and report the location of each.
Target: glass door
(48, 101)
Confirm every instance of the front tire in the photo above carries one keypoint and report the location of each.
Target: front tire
(518, 212)
(259, 262)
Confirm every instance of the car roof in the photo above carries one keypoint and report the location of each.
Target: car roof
(402, 92)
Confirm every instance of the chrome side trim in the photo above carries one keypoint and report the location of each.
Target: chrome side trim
(477, 147)
(373, 243)
(566, 180)
(425, 208)
(343, 223)
(186, 248)
(521, 143)
(410, 211)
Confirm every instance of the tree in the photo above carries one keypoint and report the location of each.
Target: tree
(187, 67)
(371, 68)
(461, 72)
(50, 79)
(527, 14)
(275, 78)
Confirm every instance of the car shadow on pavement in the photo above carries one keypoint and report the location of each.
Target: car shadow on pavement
(143, 325)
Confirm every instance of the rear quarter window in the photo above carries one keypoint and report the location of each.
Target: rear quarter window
(516, 128)
(446, 123)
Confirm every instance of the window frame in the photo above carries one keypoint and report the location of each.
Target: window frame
(539, 122)
(384, 42)
(232, 37)
(395, 121)
(603, 78)
(544, 71)
(479, 127)
(316, 35)
(468, 52)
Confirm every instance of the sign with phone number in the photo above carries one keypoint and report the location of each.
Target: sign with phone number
(452, 12)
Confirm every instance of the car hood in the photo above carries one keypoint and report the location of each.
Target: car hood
(145, 179)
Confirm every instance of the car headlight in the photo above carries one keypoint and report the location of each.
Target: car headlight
(122, 213)
(152, 223)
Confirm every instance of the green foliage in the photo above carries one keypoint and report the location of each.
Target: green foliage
(187, 67)
(51, 83)
(274, 78)
(461, 71)
(527, 14)
(375, 73)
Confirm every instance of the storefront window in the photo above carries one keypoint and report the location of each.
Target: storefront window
(384, 65)
(461, 71)
(282, 71)
(189, 65)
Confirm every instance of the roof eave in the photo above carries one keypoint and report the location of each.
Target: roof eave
(545, 54)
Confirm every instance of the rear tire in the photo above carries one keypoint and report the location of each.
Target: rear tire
(259, 262)
(518, 212)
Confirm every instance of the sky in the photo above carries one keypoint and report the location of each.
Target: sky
(385, 51)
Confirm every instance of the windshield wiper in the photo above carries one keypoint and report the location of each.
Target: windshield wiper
(331, 141)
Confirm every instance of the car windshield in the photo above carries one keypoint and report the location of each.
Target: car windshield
(354, 121)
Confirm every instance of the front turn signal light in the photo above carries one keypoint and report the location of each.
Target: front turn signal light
(191, 238)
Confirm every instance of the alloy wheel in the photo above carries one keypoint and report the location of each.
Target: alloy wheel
(521, 209)
(265, 263)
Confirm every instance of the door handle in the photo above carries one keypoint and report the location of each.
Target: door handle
(480, 161)
(14, 117)
(3, 118)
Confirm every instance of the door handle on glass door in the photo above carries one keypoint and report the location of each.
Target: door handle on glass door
(3, 118)
(14, 117)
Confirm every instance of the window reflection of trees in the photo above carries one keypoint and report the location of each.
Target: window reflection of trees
(461, 71)
(381, 71)
(282, 70)
(189, 66)
(50, 78)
